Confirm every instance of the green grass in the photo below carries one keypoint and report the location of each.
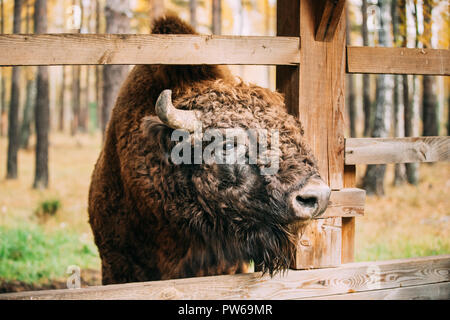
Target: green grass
(403, 248)
(31, 255)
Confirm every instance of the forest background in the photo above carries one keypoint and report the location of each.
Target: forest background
(52, 119)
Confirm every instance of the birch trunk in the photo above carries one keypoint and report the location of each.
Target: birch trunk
(117, 21)
(373, 180)
(366, 78)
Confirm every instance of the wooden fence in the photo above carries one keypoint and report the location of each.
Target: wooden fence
(99, 49)
(312, 60)
(418, 278)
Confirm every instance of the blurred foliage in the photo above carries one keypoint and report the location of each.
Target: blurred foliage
(30, 255)
(47, 208)
(410, 221)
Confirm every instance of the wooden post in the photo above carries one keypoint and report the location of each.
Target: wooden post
(330, 14)
(348, 224)
(315, 93)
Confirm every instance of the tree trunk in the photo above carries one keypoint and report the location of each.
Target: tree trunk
(30, 100)
(217, 16)
(411, 105)
(366, 78)
(75, 99)
(448, 113)
(62, 98)
(117, 21)
(42, 113)
(267, 32)
(85, 113)
(350, 88)
(98, 71)
(397, 116)
(408, 108)
(429, 99)
(76, 89)
(2, 81)
(84, 110)
(13, 121)
(351, 104)
(193, 13)
(27, 117)
(429, 107)
(373, 180)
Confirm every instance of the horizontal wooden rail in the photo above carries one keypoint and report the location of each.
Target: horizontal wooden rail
(435, 291)
(348, 202)
(353, 278)
(398, 60)
(90, 49)
(396, 150)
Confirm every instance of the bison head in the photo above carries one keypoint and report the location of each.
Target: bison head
(233, 209)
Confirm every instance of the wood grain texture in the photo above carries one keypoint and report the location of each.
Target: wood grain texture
(435, 291)
(325, 16)
(322, 94)
(348, 223)
(349, 278)
(348, 239)
(329, 19)
(348, 202)
(90, 49)
(398, 60)
(321, 111)
(318, 244)
(396, 150)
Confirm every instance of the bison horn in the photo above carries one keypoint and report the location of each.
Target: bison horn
(175, 118)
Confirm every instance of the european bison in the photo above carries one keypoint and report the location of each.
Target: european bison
(154, 219)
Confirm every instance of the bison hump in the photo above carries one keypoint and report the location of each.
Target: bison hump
(171, 24)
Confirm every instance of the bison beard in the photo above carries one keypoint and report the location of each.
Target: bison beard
(244, 228)
(154, 220)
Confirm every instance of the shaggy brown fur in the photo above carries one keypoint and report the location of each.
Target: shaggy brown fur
(155, 220)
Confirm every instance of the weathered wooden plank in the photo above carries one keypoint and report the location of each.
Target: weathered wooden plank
(348, 223)
(352, 277)
(396, 150)
(398, 60)
(74, 49)
(314, 93)
(435, 291)
(317, 243)
(329, 19)
(321, 111)
(348, 202)
(348, 239)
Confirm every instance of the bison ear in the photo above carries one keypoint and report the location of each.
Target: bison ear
(157, 135)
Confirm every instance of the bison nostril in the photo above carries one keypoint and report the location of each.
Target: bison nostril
(307, 201)
(310, 201)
